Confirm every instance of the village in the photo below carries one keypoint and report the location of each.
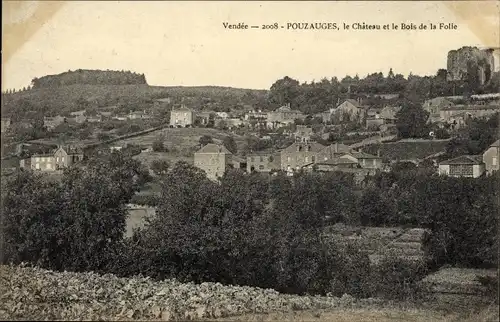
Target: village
(392, 189)
(309, 147)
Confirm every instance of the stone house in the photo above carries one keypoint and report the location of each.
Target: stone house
(59, 159)
(214, 159)
(449, 114)
(263, 162)
(284, 114)
(350, 111)
(470, 166)
(182, 117)
(332, 151)
(491, 157)
(434, 107)
(300, 154)
(78, 116)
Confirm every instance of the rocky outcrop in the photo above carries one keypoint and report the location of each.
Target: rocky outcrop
(462, 60)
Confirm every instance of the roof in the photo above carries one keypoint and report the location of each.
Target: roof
(362, 155)
(167, 99)
(336, 161)
(496, 143)
(182, 108)
(464, 159)
(315, 147)
(337, 148)
(214, 148)
(440, 101)
(353, 102)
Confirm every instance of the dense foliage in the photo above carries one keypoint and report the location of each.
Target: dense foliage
(248, 229)
(91, 77)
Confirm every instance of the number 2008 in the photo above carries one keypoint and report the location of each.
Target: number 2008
(273, 26)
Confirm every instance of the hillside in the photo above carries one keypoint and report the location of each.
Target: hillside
(407, 150)
(69, 98)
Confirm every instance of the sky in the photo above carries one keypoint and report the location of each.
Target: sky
(185, 43)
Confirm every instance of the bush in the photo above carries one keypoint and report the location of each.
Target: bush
(396, 279)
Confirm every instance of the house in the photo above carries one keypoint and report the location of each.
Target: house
(300, 154)
(6, 123)
(284, 114)
(258, 115)
(214, 159)
(263, 162)
(238, 163)
(332, 151)
(106, 113)
(95, 118)
(449, 114)
(365, 160)
(303, 133)
(52, 122)
(222, 115)
(137, 115)
(181, 117)
(349, 111)
(491, 157)
(203, 117)
(59, 159)
(434, 107)
(471, 166)
(65, 157)
(377, 117)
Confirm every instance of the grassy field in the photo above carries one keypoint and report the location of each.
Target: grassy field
(407, 150)
(182, 138)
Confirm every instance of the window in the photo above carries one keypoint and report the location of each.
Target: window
(37, 159)
(494, 161)
(57, 159)
(261, 159)
(307, 159)
(37, 166)
(261, 167)
(462, 170)
(49, 166)
(271, 158)
(62, 159)
(313, 159)
(289, 159)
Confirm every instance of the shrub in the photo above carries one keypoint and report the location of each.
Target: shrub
(396, 279)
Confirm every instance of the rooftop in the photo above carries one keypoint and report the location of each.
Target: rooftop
(464, 159)
(214, 148)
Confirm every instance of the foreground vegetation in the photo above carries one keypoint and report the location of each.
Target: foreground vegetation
(249, 229)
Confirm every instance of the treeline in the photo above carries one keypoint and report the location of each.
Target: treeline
(247, 230)
(89, 77)
(316, 97)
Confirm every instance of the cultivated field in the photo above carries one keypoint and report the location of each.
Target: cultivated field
(179, 138)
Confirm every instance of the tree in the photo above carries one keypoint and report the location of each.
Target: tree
(230, 144)
(158, 146)
(73, 225)
(160, 167)
(411, 120)
(205, 139)
(284, 91)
